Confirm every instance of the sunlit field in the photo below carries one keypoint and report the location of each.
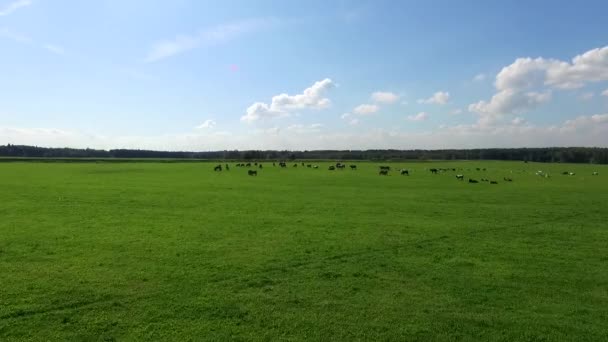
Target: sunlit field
(178, 252)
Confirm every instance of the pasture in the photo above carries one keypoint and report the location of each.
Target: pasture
(178, 252)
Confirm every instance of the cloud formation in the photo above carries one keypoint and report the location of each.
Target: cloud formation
(527, 83)
(13, 6)
(214, 35)
(284, 104)
(206, 124)
(366, 109)
(384, 97)
(422, 116)
(440, 97)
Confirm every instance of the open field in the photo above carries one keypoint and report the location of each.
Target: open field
(176, 251)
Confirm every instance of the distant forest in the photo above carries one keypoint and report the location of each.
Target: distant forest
(593, 155)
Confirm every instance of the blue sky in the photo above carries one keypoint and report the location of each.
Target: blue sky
(198, 75)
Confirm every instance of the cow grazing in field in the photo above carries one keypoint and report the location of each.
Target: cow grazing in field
(283, 164)
(302, 163)
(493, 182)
(331, 168)
(341, 166)
(506, 179)
(218, 168)
(572, 174)
(315, 167)
(252, 173)
(353, 167)
(460, 177)
(405, 172)
(248, 165)
(434, 171)
(595, 174)
(308, 165)
(295, 165)
(383, 173)
(473, 181)
(260, 166)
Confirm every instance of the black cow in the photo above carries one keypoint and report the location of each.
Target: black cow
(353, 167)
(331, 168)
(252, 173)
(434, 171)
(383, 173)
(218, 168)
(472, 181)
(507, 179)
(261, 167)
(493, 182)
(405, 172)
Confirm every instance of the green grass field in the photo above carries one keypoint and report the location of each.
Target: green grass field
(177, 252)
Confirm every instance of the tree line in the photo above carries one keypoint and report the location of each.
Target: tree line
(594, 155)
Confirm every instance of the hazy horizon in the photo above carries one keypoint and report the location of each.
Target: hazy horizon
(347, 75)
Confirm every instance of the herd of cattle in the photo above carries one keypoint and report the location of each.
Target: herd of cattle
(383, 170)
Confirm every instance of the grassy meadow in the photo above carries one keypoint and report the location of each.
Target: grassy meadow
(178, 252)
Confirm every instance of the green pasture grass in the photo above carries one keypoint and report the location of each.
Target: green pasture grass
(178, 252)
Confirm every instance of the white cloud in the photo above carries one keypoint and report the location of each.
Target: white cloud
(283, 104)
(589, 130)
(605, 93)
(440, 97)
(479, 77)
(586, 96)
(13, 6)
(507, 102)
(350, 119)
(518, 121)
(591, 66)
(527, 83)
(422, 116)
(456, 111)
(207, 124)
(214, 35)
(366, 109)
(16, 37)
(54, 49)
(299, 128)
(384, 97)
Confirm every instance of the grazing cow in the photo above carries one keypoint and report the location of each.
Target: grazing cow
(595, 174)
(353, 167)
(405, 172)
(295, 165)
(460, 177)
(256, 163)
(302, 163)
(383, 173)
(248, 165)
(434, 171)
(261, 167)
(493, 182)
(218, 168)
(572, 174)
(331, 168)
(283, 164)
(315, 167)
(341, 166)
(506, 179)
(472, 181)
(308, 165)
(252, 173)
(566, 173)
